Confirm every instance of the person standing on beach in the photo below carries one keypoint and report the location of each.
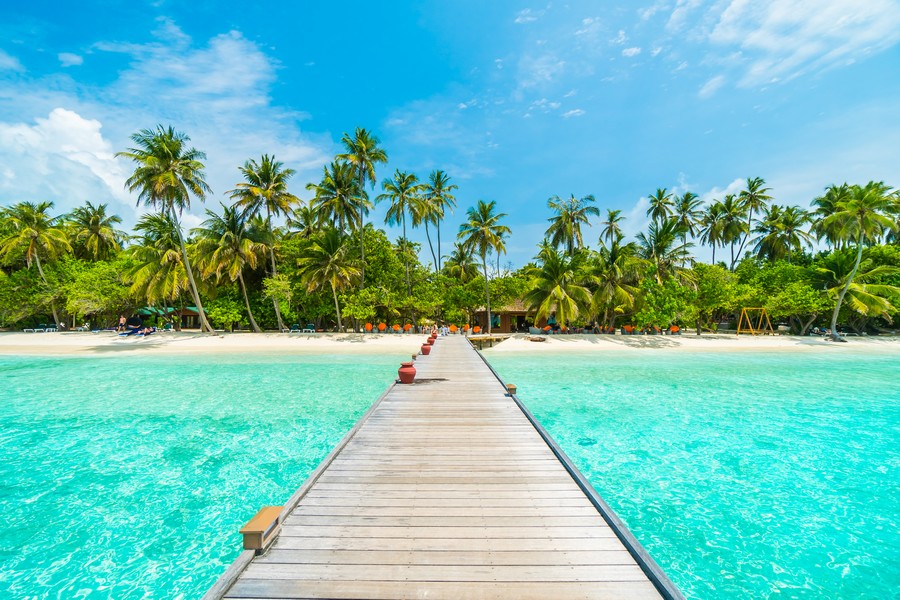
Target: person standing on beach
(121, 326)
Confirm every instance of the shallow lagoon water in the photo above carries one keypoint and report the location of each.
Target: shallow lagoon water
(129, 477)
(745, 475)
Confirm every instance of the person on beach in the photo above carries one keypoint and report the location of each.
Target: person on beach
(121, 326)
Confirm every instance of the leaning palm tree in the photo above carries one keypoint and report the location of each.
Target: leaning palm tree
(439, 190)
(363, 153)
(483, 232)
(325, 263)
(752, 198)
(264, 190)
(862, 218)
(864, 295)
(661, 205)
(337, 198)
(422, 211)
(226, 247)
(94, 235)
(611, 229)
(565, 226)
(34, 234)
(557, 286)
(403, 192)
(167, 174)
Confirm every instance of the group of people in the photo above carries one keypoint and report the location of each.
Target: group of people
(125, 328)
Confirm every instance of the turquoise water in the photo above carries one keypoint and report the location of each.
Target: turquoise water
(745, 475)
(129, 477)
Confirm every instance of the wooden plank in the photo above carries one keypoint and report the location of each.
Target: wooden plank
(434, 557)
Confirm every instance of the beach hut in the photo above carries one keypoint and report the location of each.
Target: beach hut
(509, 318)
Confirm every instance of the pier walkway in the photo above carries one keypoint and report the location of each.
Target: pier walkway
(446, 489)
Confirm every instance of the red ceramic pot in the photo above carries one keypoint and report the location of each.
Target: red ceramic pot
(426, 349)
(406, 372)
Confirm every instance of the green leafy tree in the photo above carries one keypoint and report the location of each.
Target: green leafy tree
(557, 286)
(226, 246)
(265, 190)
(825, 206)
(168, 173)
(363, 152)
(661, 247)
(325, 263)
(402, 192)
(97, 289)
(612, 231)
(483, 232)
(565, 225)
(734, 228)
(781, 233)
(94, 235)
(688, 215)
(33, 234)
(861, 217)
(157, 273)
(712, 227)
(615, 270)
(439, 191)
(855, 282)
(661, 205)
(461, 265)
(753, 197)
(337, 198)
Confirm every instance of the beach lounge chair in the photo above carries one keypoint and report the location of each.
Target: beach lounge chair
(310, 328)
(295, 328)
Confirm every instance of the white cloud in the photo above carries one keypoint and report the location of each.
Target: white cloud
(634, 51)
(67, 59)
(647, 13)
(575, 112)
(539, 70)
(679, 17)
(620, 38)
(9, 62)
(527, 16)
(709, 88)
(655, 51)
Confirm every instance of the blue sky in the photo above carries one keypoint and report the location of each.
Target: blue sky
(516, 101)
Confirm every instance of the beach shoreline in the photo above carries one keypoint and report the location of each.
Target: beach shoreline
(109, 343)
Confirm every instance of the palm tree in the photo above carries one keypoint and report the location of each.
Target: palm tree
(611, 229)
(158, 274)
(862, 217)
(660, 246)
(93, 232)
(660, 205)
(753, 197)
(326, 262)
(461, 263)
(438, 191)
(422, 210)
(403, 192)
(225, 246)
(557, 286)
(264, 189)
(616, 271)
(34, 233)
(167, 174)
(688, 214)
(712, 227)
(826, 205)
(571, 213)
(482, 232)
(781, 233)
(304, 221)
(337, 196)
(363, 153)
(863, 297)
(733, 225)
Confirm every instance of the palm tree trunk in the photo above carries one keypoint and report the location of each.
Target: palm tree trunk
(405, 257)
(487, 292)
(732, 256)
(37, 261)
(746, 235)
(247, 304)
(362, 247)
(430, 246)
(714, 253)
(274, 274)
(337, 308)
(204, 324)
(837, 307)
(437, 224)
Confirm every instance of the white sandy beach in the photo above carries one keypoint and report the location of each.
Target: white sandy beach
(66, 343)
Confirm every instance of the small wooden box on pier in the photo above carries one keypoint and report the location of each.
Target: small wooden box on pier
(262, 529)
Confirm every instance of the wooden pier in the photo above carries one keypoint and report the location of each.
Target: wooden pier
(447, 489)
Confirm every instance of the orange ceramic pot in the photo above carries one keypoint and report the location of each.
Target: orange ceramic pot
(406, 372)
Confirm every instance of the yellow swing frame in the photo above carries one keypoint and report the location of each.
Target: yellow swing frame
(757, 322)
